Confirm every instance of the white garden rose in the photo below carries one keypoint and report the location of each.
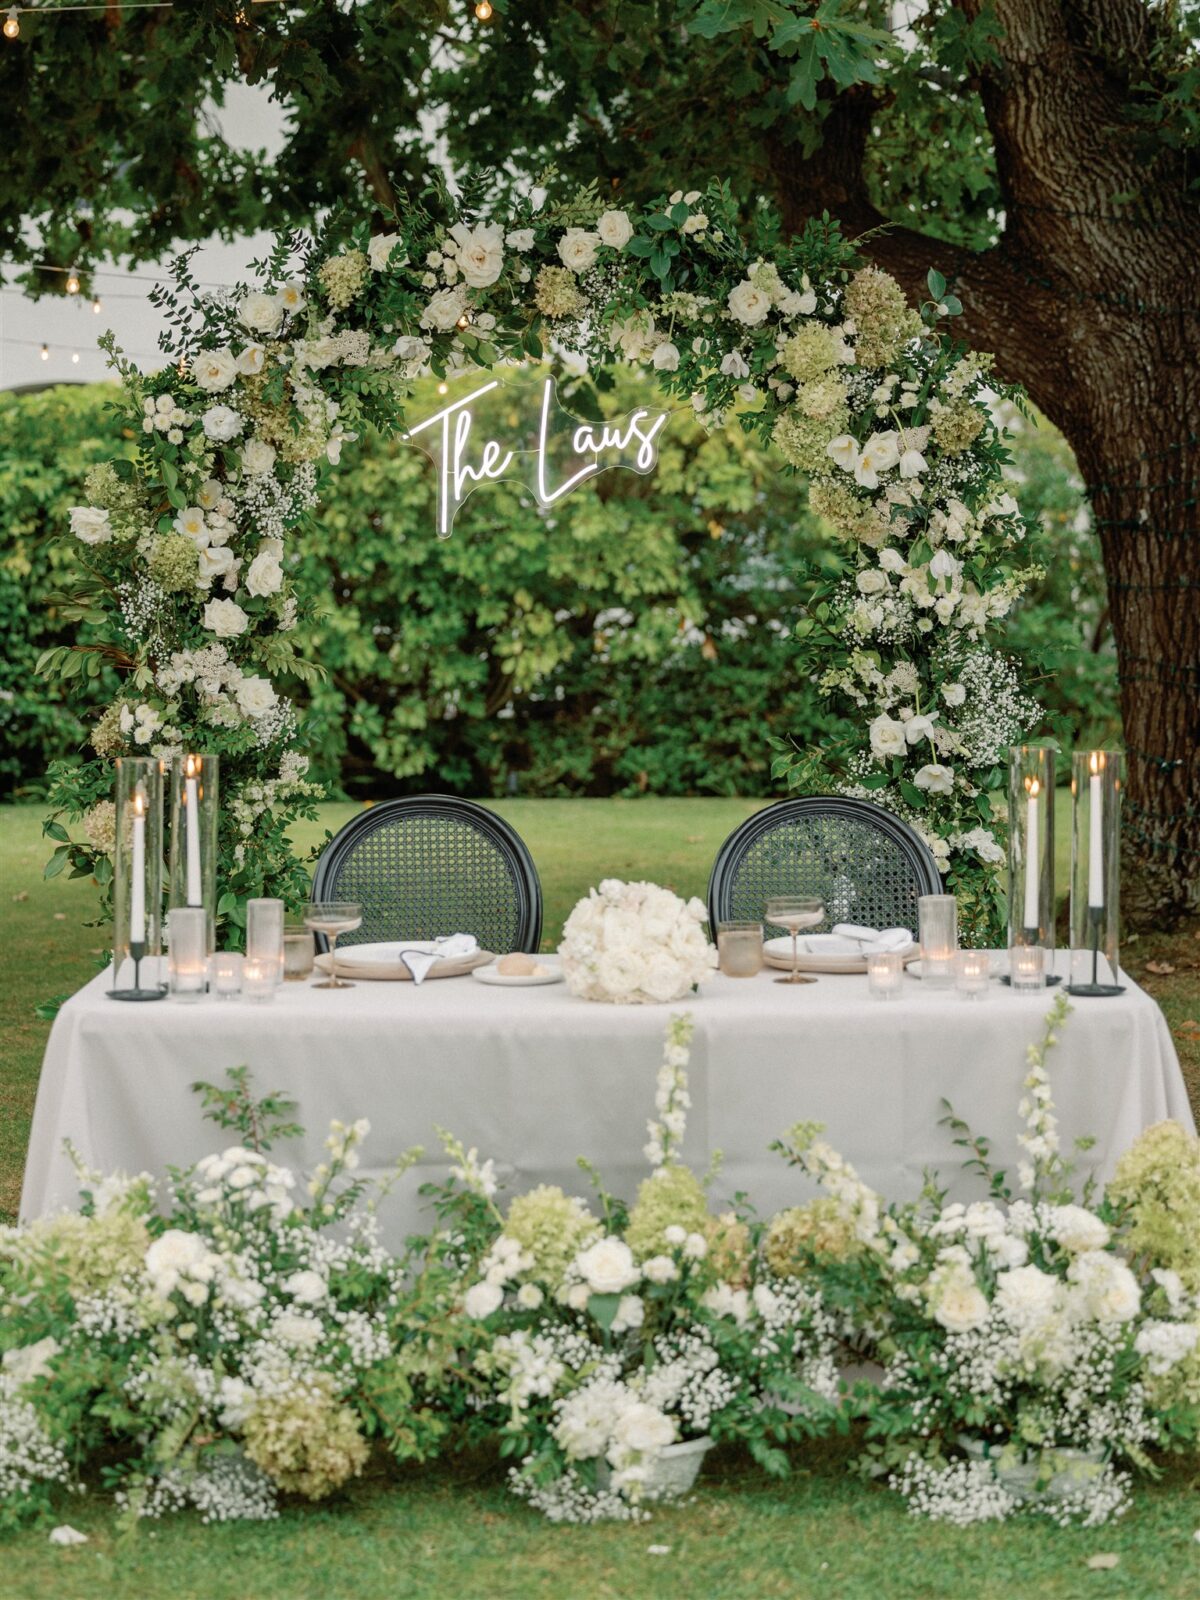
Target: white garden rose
(261, 313)
(1109, 1288)
(961, 1304)
(215, 560)
(872, 581)
(444, 309)
(225, 618)
(480, 253)
(665, 357)
(90, 525)
(748, 303)
(520, 239)
(1027, 1295)
(663, 979)
(215, 370)
(642, 1428)
(258, 457)
(887, 737)
(308, 1287)
(379, 251)
(619, 972)
(256, 697)
(252, 360)
(173, 1255)
(1077, 1229)
(481, 1299)
(264, 576)
(221, 424)
(608, 1267)
(615, 229)
(411, 350)
(577, 249)
(935, 778)
(660, 1269)
(31, 1361)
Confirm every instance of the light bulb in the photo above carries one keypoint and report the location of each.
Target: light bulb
(483, 10)
(96, 305)
(45, 352)
(75, 357)
(12, 23)
(72, 282)
(463, 322)
(443, 388)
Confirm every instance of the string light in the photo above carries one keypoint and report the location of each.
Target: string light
(484, 10)
(443, 388)
(96, 304)
(12, 23)
(45, 352)
(72, 282)
(463, 322)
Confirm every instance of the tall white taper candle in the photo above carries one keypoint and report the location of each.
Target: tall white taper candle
(137, 898)
(192, 807)
(1096, 832)
(1032, 855)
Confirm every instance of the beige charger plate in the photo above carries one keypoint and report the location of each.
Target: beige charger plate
(830, 961)
(395, 971)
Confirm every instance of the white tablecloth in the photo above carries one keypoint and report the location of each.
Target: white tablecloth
(537, 1078)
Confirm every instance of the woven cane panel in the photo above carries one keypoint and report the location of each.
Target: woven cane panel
(860, 874)
(422, 877)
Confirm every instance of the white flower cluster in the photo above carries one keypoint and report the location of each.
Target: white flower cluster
(671, 1098)
(28, 1455)
(635, 943)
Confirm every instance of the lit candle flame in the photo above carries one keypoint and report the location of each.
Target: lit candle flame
(190, 765)
(1034, 787)
(139, 802)
(1096, 761)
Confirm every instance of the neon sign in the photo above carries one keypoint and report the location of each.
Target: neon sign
(550, 458)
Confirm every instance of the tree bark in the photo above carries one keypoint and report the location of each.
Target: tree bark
(1091, 299)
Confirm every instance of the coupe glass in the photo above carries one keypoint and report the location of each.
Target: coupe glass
(794, 912)
(333, 917)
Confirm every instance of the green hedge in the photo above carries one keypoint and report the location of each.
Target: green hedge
(633, 639)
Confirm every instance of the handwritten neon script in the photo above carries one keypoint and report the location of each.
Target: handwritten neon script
(463, 463)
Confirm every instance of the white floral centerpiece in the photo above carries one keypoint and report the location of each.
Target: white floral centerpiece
(635, 944)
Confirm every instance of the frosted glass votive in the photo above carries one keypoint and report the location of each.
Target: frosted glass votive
(885, 974)
(1027, 968)
(297, 952)
(264, 932)
(939, 938)
(972, 971)
(225, 974)
(259, 980)
(187, 952)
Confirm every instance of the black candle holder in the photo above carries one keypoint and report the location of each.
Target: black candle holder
(1095, 990)
(158, 992)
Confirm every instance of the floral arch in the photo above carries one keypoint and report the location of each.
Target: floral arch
(185, 542)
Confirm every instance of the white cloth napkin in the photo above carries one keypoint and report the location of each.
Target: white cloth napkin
(455, 946)
(875, 938)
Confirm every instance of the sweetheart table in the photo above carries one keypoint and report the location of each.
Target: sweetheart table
(535, 1078)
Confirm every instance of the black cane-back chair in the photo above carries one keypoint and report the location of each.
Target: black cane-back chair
(433, 865)
(863, 863)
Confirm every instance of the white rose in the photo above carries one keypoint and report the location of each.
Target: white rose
(31, 1360)
(843, 451)
(520, 240)
(221, 424)
(444, 309)
(1026, 1294)
(307, 1287)
(1078, 1229)
(256, 697)
(215, 560)
(252, 360)
(411, 349)
(872, 581)
(642, 1427)
(615, 229)
(214, 370)
(619, 972)
(608, 1266)
(748, 303)
(225, 618)
(480, 253)
(936, 778)
(265, 574)
(529, 1297)
(631, 1313)
(379, 251)
(918, 728)
(664, 979)
(660, 1269)
(258, 456)
(481, 1299)
(90, 525)
(954, 693)
(577, 249)
(665, 357)
(1109, 1287)
(208, 496)
(887, 737)
(961, 1306)
(261, 313)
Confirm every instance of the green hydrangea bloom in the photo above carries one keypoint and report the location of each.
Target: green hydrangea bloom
(810, 353)
(825, 398)
(305, 1439)
(106, 737)
(342, 277)
(821, 1229)
(90, 1253)
(556, 293)
(801, 440)
(883, 320)
(956, 427)
(553, 1227)
(1158, 1179)
(172, 562)
(672, 1195)
(114, 494)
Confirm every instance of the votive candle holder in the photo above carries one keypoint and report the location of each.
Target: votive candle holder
(740, 948)
(972, 972)
(187, 952)
(264, 933)
(225, 974)
(298, 952)
(938, 915)
(260, 979)
(1027, 968)
(885, 974)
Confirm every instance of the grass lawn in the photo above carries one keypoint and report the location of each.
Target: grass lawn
(452, 1530)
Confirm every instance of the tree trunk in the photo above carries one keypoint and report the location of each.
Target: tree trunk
(1091, 299)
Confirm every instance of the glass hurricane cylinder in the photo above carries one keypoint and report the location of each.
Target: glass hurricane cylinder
(187, 953)
(264, 935)
(194, 815)
(138, 879)
(1097, 783)
(1031, 845)
(938, 915)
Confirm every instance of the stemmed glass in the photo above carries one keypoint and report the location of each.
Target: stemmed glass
(794, 912)
(332, 917)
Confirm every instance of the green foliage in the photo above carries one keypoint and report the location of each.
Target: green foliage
(234, 1106)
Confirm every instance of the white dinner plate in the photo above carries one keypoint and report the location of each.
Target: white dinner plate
(518, 980)
(381, 962)
(822, 952)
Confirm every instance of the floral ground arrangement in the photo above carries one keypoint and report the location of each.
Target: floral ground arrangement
(185, 563)
(251, 1342)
